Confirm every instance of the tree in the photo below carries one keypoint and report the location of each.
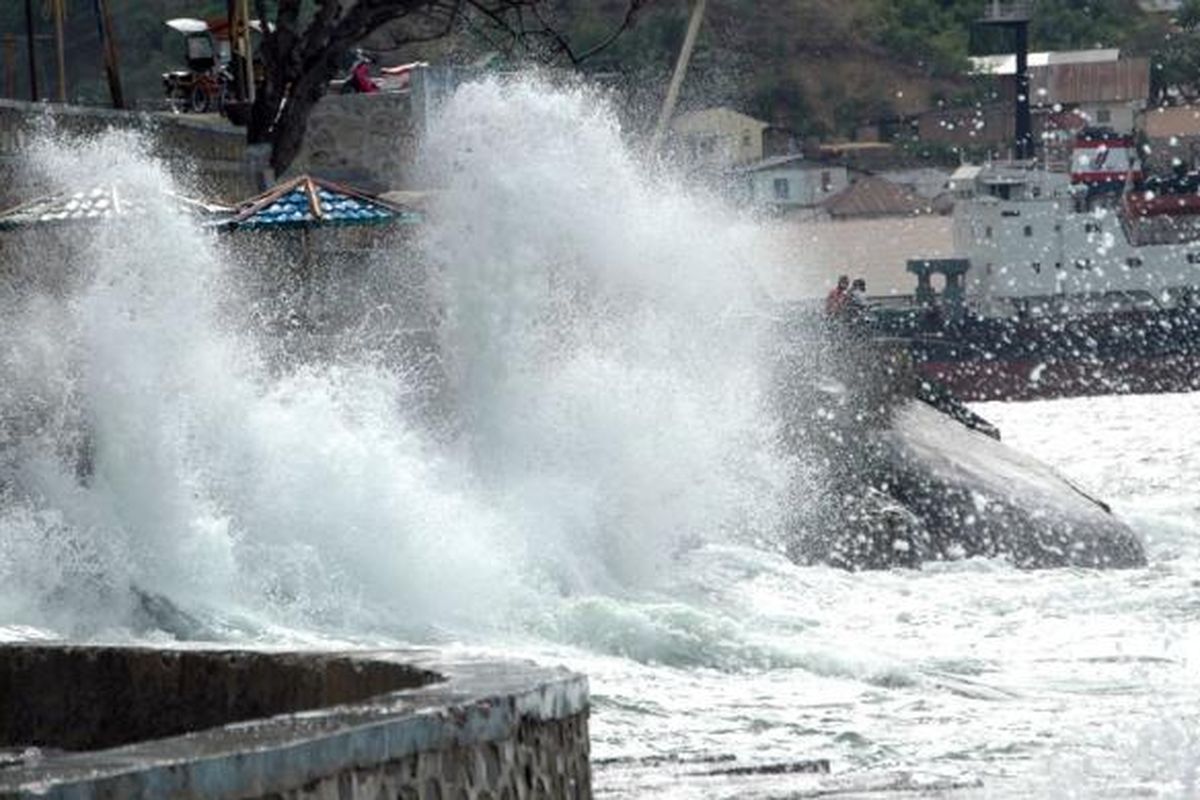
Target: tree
(304, 47)
(1175, 64)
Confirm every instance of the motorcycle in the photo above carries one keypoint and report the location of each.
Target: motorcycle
(205, 84)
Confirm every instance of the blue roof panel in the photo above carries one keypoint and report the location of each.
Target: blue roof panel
(311, 201)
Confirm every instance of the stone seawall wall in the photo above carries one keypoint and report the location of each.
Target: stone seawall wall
(542, 761)
(369, 140)
(394, 724)
(366, 140)
(209, 157)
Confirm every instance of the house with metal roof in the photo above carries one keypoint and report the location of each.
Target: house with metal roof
(791, 182)
(872, 196)
(1107, 88)
(718, 138)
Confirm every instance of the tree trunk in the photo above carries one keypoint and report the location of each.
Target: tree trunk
(287, 134)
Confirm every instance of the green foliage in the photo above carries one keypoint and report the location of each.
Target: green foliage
(819, 66)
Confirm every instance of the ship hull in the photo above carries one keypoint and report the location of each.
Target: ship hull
(974, 381)
(1115, 353)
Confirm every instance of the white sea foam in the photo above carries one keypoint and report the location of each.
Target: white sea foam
(600, 502)
(606, 367)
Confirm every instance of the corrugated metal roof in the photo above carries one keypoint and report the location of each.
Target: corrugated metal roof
(98, 204)
(308, 201)
(1115, 81)
(875, 197)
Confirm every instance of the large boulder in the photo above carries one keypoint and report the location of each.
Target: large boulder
(897, 473)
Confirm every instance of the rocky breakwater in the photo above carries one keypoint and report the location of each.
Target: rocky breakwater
(899, 473)
(105, 722)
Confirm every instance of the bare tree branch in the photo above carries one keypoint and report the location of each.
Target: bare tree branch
(300, 63)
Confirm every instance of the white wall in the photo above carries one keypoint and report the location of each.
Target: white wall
(805, 186)
(1118, 116)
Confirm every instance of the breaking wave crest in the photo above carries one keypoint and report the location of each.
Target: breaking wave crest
(602, 354)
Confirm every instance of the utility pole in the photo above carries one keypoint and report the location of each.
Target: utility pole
(240, 45)
(60, 11)
(108, 42)
(248, 50)
(33, 87)
(681, 65)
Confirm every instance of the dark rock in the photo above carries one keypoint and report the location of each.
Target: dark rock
(896, 472)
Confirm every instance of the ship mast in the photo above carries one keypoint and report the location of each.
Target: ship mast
(1014, 15)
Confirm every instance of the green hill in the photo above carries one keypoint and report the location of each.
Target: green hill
(821, 67)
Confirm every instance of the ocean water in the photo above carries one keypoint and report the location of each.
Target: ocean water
(604, 491)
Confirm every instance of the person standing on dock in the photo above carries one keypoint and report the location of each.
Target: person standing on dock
(838, 297)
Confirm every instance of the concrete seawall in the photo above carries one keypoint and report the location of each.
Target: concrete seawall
(108, 722)
(366, 140)
(211, 155)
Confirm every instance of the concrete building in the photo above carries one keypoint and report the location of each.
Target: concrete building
(1104, 88)
(790, 182)
(719, 138)
(1172, 136)
(1069, 90)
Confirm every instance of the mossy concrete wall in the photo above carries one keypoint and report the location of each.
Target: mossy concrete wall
(367, 140)
(210, 154)
(106, 722)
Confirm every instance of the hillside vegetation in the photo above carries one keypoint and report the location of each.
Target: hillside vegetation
(821, 67)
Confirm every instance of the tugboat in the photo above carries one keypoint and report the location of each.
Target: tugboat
(1070, 282)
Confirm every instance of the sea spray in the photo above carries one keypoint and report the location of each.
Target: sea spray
(607, 362)
(604, 341)
(210, 478)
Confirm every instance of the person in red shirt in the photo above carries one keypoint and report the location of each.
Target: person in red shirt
(838, 297)
(360, 74)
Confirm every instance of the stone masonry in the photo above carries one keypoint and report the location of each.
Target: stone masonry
(86, 722)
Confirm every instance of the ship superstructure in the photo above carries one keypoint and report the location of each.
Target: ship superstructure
(1100, 237)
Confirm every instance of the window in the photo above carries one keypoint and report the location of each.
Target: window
(1036, 191)
(745, 139)
(1103, 116)
(1029, 230)
(783, 189)
(1133, 262)
(1193, 258)
(1091, 227)
(1083, 263)
(826, 181)
(1036, 266)
(987, 232)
